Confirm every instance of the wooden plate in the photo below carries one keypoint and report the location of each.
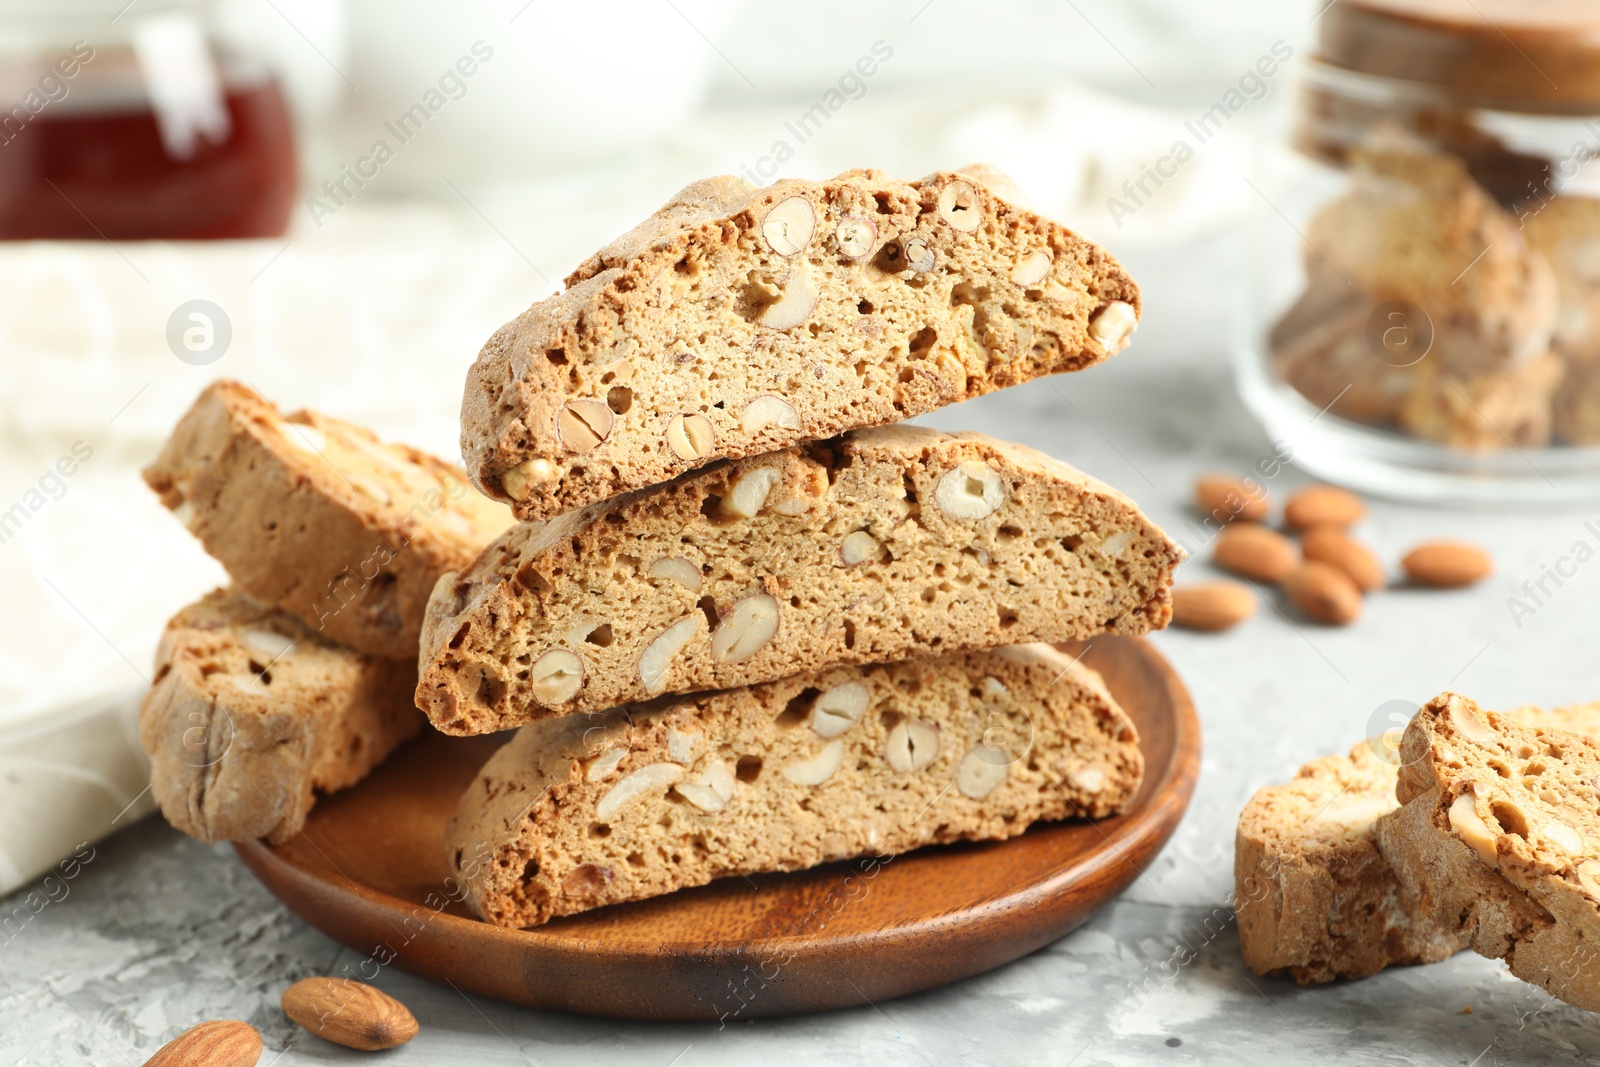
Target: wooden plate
(369, 871)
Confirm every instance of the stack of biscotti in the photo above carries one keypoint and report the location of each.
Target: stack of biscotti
(744, 624)
(299, 679)
(1373, 860)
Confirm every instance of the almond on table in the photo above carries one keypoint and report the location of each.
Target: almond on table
(219, 1043)
(1255, 552)
(1334, 546)
(1324, 593)
(349, 1013)
(1212, 606)
(1446, 564)
(1226, 498)
(739, 320)
(1323, 505)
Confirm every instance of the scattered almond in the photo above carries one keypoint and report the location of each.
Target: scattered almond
(219, 1043)
(1226, 498)
(1212, 606)
(1323, 505)
(349, 1013)
(1333, 546)
(1446, 564)
(1252, 551)
(1324, 593)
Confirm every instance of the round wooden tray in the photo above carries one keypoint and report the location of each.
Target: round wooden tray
(369, 871)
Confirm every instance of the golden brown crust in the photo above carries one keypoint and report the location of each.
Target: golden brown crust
(1498, 837)
(1313, 896)
(318, 517)
(845, 552)
(252, 715)
(676, 317)
(741, 781)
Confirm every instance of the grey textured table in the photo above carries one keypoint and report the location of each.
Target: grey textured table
(159, 932)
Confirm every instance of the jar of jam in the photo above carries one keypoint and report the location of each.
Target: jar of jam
(128, 121)
(1425, 315)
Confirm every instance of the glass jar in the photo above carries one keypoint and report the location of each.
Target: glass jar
(1424, 317)
(127, 121)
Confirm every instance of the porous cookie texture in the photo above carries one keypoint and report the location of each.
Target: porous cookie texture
(878, 545)
(1498, 837)
(318, 517)
(1315, 898)
(737, 320)
(586, 810)
(252, 715)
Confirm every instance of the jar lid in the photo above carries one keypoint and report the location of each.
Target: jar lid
(1540, 56)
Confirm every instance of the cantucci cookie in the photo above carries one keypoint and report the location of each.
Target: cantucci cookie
(252, 715)
(319, 517)
(1314, 897)
(738, 320)
(581, 811)
(1498, 837)
(878, 545)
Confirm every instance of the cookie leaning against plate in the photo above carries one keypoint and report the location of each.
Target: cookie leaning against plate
(318, 517)
(581, 811)
(252, 715)
(737, 320)
(1498, 836)
(878, 545)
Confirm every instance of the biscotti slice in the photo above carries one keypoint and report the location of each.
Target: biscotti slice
(1498, 837)
(738, 320)
(580, 811)
(252, 715)
(1313, 897)
(318, 517)
(871, 547)
(1409, 228)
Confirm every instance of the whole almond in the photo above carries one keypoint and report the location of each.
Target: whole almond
(1335, 547)
(1212, 606)
(1253, 551)
(1323, 505)
(1226, 498)
(219, 1043)
(1324, 593)
(1446, 564)
(349, 1013)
